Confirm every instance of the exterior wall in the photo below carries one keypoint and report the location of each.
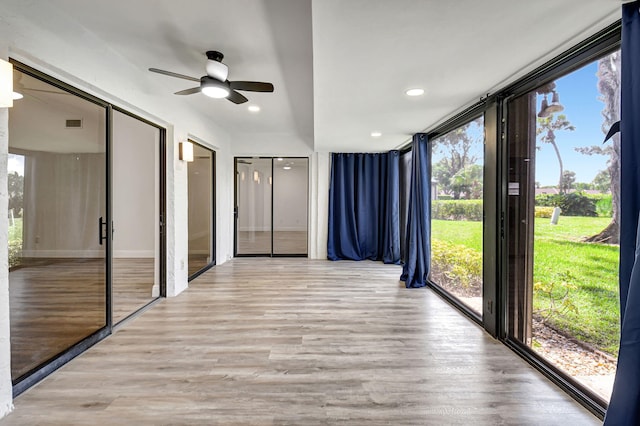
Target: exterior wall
(6, 394)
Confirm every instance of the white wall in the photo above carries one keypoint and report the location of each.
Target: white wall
(6, 404)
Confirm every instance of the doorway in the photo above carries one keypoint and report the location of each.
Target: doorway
(271, 213)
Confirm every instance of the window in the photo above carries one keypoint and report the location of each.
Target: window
(457, 160)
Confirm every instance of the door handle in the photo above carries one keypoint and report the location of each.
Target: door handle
(101, 225)
(235, 212)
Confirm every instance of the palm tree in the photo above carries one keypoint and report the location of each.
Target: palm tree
(546, 132)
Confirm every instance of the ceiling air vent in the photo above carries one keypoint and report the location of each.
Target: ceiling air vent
(75, 123)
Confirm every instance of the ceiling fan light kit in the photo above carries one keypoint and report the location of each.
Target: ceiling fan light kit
(213, 88)
(215, 83)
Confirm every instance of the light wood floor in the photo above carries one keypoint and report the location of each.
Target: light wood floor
(55, 303)
(298, 342)
(284, 242)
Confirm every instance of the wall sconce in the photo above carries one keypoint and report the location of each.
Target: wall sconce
(256, 176)
(6, 84)
(242, 176)
(270, 180)
(186, 151)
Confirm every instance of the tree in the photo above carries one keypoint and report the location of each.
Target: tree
(602, 181)
(567, 181)
(609, 88)
(16, 190)
(468, 182)
(458, 150)
(546, 132)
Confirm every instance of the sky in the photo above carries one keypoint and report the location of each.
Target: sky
(579, 95)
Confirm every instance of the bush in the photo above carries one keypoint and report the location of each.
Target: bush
(604, 206)
(457, 210)
(545, 212)
(455, 266)
(573, 204)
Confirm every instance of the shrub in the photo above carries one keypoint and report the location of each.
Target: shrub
(455, 266)
(545, 212)
(604, 206)
(573, 204)
(457, 210)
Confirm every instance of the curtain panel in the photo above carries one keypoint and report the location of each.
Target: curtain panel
(624, 407)
(418, 233)
(364, 207)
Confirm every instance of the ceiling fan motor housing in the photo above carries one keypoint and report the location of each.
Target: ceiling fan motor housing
(214, 67)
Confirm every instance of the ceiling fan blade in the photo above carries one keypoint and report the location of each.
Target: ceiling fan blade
(174, 74)
(236, 97)
(188, 91)
(251, 86)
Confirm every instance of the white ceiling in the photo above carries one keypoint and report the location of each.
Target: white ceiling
(340, 68)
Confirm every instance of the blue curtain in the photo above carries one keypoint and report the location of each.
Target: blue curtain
(364, 205)
(624, 407)
(418, 238)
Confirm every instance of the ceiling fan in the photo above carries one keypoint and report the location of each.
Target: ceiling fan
(215, 83)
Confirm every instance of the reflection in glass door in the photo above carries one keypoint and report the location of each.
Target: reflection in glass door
(253, 194)
(135, 207)
(201, 193)
(290, 195)
(272, 206)
(57, 213)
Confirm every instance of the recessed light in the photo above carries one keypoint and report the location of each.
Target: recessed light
(415, 92)
(287, 167)
(279, 158)
(253, 108)
(376, 134)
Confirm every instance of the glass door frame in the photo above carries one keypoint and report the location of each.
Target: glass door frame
(212, 219)
(236, 207)
(34, 376)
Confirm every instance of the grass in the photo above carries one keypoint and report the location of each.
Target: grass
(15, 231)
(558, 249)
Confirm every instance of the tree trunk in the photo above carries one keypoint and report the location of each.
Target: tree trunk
(609, 235)
(609, 88)
(560, 186)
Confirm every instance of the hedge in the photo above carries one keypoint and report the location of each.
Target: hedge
(470, 210)
(573, 204)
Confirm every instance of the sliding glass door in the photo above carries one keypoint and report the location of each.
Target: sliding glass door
(201, 188)
(272, 198)
(57, 213)
(562, 223)
(135, 157)
(85, 209)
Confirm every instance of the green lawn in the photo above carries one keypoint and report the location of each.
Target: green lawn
(558, 249)
(15, 231)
